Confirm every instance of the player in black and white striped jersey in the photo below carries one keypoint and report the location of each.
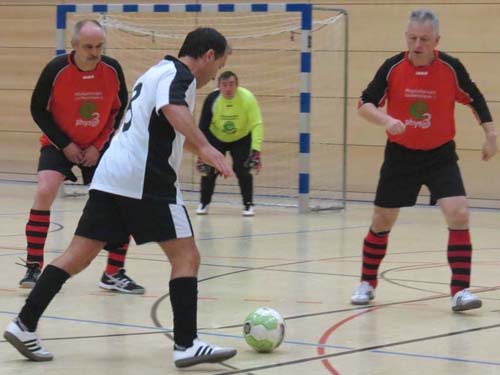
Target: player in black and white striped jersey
(135, 192)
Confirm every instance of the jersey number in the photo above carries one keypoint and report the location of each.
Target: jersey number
(129, 114)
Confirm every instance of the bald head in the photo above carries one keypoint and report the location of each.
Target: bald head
(86, 27)
(87, 42)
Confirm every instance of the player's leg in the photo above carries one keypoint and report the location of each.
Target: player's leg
(169, 225)
(52, 170)
(240, 150)
(447, 188)
(459, 250)
(189, 350)
(207, 187)
(114, 277)
(100, 222)
(21, 332)
(398, 186)
(209, 177)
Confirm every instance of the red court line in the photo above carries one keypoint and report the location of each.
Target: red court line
(324, 338)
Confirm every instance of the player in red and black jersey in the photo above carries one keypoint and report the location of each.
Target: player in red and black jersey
(78, 103)
(421, 87)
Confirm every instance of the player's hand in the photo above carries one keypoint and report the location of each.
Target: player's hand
(210, 155)
(73, 153)
(254, 161)
(395, 126)
(90, 156)
(489, 147)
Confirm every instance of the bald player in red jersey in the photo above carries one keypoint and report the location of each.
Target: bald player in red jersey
(78, 103)
(420, 87)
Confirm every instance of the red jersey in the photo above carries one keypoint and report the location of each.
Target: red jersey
(70, 105)
(423, 98)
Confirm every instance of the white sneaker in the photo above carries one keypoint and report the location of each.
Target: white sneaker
(27, 343)
(202, 209)
(465, 300)
(201, 352)
(363, 294)
(248, 210)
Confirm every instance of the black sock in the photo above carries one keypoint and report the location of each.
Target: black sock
(184, 300)
(48, 285)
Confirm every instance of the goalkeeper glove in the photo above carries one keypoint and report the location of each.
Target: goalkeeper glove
(203, 168)
(253, 161)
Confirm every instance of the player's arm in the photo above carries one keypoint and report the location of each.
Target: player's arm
(469, 94)
(256, 123)
(181, 119)
(374, 96)
(206, 111)
(257, 131)
(378, 117)
(40, 104)
(490, 147)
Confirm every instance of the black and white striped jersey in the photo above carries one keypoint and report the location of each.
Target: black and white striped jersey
(144, 157)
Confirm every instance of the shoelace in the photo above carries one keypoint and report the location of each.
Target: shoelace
(28, 265)
(121, 279)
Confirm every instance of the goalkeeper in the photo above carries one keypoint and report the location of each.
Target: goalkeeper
(231, 121)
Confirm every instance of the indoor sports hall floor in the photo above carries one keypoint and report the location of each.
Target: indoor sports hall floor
(304, 266)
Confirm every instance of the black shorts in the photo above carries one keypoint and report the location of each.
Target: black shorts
(53, 159)
(404, 171)
(112, 218)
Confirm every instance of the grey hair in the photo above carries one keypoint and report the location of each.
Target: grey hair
(75, 35)
(424, 15)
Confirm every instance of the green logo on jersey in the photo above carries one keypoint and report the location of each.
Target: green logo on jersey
(87, 110)
(418, 109)
(229, 127)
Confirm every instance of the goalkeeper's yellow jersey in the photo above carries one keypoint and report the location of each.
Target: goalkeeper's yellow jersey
(232, 119)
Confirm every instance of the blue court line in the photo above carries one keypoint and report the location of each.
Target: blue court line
(290, 342)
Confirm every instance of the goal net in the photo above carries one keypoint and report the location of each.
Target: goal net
(304, 113)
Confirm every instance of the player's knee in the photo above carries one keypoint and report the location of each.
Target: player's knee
(45, 194)
(382, 221)
(459, 216)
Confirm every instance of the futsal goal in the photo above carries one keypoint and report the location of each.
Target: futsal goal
(293, 57)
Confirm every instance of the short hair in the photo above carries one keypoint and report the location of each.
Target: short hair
(226, 75)
(424, 15)
(75, 35)
(201, 40)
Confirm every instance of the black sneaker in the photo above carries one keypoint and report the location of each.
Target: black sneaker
(32, 274)
(120, 282)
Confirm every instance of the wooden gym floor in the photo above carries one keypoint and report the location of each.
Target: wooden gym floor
(304, 266)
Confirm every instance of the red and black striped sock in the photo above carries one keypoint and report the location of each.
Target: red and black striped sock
(459, 259)
(374, 249)
(116, 257)
(37, 228)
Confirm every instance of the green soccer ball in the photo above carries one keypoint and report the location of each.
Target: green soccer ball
(264, 329)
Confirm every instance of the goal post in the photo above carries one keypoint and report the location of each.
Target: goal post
(273, 55)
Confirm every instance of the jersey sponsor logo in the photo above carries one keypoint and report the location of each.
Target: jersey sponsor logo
(422, 73)
(88, 77)
(88, 111)
(421, 118)
(229, 127)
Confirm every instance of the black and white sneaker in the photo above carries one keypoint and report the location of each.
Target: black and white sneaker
(120, 282)
(201, 352)
(27, 343)
(33, 272)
